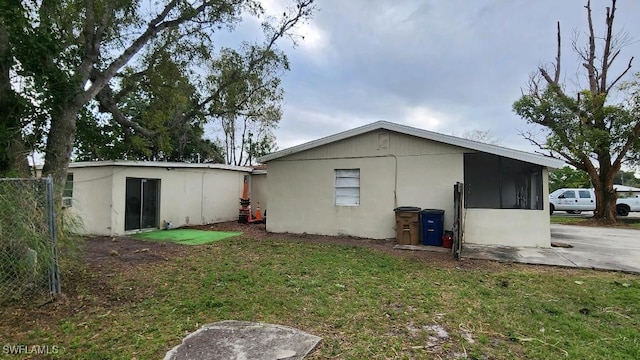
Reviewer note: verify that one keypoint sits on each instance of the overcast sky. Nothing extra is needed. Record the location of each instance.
(445, 66)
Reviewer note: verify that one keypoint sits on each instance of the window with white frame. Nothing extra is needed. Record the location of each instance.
(348, 187)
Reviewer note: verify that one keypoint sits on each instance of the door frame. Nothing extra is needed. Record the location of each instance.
(143, 197)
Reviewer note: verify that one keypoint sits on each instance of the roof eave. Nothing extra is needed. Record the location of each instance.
(425, 134)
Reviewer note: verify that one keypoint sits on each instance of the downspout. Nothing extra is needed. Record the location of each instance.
(395, 182)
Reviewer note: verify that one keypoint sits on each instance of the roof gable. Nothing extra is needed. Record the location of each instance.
(420, 133)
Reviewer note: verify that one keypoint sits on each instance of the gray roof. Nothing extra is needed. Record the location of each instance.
(425, 134)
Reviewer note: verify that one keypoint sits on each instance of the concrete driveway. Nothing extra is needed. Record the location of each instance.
(592, 247)
(599, 247)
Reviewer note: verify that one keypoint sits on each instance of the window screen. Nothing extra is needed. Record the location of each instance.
(67, 193)
(495, 182)
(347, 187)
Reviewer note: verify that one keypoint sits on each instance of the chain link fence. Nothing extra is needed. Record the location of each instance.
(28, 249)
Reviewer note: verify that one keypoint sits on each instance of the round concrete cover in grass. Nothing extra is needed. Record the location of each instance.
(228, 340)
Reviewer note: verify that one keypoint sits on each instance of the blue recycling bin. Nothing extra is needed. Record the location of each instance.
(432, 226)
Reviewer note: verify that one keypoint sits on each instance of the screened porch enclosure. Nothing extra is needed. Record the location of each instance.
(496, 182)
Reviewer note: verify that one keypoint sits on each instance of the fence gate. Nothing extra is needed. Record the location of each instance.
(458, 221)
(28, 244)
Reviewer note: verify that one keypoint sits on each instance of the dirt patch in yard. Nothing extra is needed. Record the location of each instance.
(103, 250)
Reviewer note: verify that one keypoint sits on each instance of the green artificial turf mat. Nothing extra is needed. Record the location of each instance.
(187, 236)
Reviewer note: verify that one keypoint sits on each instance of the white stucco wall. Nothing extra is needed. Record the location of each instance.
(92, 192)
(507, 227)
(302, 193)
(301, 198)
(258, 192)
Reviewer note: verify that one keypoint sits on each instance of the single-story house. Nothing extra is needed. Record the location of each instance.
(118, 197)
(351, 182)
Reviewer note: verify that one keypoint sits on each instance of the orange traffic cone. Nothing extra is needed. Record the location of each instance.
(258, 213)
(245, 190)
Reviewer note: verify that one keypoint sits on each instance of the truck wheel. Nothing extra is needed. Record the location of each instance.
(551, 209)
(622, 210)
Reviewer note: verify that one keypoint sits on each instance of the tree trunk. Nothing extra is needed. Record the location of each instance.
(605, 198)
(59, 146)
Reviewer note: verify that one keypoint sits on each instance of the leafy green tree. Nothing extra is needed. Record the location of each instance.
(568, 177)
(75, 52)
(583, 126)
(152, 115)
(248, 110)
(627, 178)
(260, 145)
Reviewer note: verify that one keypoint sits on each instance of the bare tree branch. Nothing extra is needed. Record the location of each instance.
(556, 78)
(107, 102)
(607, 44)
(620, 76)
(590, 65)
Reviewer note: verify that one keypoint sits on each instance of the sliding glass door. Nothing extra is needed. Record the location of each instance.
(142, 204)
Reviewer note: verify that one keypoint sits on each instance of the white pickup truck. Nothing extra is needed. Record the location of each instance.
(575, 201)
(630, 203)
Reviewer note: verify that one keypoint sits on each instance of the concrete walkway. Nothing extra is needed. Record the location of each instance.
(592, 248)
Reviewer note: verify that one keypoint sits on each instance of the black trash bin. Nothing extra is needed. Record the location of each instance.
(432, 226)
(407, 225)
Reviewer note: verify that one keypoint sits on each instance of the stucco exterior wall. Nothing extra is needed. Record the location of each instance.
(507, 227)
(92, 191)
(301, 198)
(400, 170)
(258, 192)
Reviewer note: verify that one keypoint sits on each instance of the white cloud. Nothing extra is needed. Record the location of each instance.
(315, 40)
(423, 118)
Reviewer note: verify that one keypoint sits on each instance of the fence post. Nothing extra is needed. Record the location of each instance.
(54, 270)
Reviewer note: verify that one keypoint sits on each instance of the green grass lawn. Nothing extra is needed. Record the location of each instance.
(563, 219)
(366, 304)
(632, 223)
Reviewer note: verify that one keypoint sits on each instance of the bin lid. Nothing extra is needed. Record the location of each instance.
(432, 211)
(407, 209)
